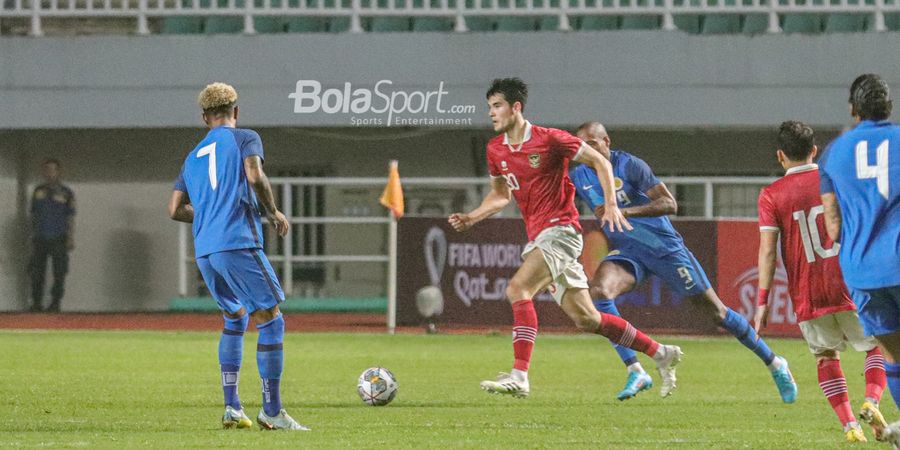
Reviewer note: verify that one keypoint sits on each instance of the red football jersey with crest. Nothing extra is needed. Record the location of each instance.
(537, 173)
(793, 207)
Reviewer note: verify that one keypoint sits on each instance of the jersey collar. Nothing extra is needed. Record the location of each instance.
(525, 137)
(803, 168)
(873, 123)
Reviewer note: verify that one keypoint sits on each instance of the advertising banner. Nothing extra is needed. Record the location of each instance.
(738, 250)
(472, 270)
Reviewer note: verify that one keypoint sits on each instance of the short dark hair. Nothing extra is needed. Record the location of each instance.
(796, 140)
(512, 89)
(220, 111)
(870, 97)
(53, 161)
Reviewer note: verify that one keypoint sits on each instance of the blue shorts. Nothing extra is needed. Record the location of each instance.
(679, 270)
(879, 309)
(241, 279)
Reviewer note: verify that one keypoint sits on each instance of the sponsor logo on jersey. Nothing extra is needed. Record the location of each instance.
(535, 160)
(587, 187)
(614, 253)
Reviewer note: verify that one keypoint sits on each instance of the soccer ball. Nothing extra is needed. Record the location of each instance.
(377, 386)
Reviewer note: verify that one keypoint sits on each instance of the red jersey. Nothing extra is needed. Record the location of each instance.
(537, 173)
(793, 207)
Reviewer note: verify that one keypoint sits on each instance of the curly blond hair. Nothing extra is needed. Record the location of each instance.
(217, 96)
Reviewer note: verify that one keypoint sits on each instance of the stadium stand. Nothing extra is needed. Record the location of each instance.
(705, 17)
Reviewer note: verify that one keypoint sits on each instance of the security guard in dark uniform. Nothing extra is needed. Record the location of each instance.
(52, 219)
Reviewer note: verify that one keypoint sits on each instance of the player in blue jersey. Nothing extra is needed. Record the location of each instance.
(220, 190)
(860, 182)
(654, 247)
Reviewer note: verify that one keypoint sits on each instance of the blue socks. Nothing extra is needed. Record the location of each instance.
(893, 380)
(270, 360)
(741, 329)
(628, 355)
(231, 346)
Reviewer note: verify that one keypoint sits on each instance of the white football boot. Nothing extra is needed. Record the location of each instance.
(280, 422)
(507, 384)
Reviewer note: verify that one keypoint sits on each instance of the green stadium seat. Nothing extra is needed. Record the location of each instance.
(390, 24)
(595, 23)
(433, 24)
(891, 22)
(305, 25)
(268, 25)
(182, 25)
(756, 24)
(224, 25)
(689, 23)
(802, 23)
(721, 24)
(339, 25)
(480, 23)
(845, 23)
(516, 24)
(549, 23)
(631, 22)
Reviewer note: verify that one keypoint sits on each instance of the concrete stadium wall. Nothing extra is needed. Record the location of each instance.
(632, 78)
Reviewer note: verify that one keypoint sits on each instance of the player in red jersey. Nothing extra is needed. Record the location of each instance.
(791, 207)
(532, 163)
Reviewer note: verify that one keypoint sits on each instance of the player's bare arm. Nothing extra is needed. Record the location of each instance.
(260, 183)
(768, 242)
(832, 216)
(663, 204)
(493, 202)
(611, 213)
(180, 208)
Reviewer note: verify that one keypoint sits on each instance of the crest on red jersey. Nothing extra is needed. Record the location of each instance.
(535, 160)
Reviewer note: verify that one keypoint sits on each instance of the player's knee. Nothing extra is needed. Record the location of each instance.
(605, 289)
(264, 315)
(515, 291)
(596, 292)
(825, 356)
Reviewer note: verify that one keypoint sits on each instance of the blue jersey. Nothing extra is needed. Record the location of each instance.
(226, 214)
(52, 205)
(862, 168)
(652, 236)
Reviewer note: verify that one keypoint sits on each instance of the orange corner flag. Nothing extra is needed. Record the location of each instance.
(392, 197)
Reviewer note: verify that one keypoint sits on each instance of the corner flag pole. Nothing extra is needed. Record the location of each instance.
(392, 275)
(392, 198)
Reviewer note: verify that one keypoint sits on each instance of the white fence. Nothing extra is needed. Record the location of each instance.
(457, 10)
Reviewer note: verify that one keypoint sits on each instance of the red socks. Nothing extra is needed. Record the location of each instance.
(621, 332)
(525, 324)
(876, 379)
(834, 385)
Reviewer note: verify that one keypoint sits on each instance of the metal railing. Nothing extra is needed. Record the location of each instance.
(286, 259)
(456, 10)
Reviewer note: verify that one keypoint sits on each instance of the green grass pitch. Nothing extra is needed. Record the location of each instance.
(161, 390)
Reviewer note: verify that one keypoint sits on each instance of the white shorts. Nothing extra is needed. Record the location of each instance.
(834, 331)
(561, 247)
